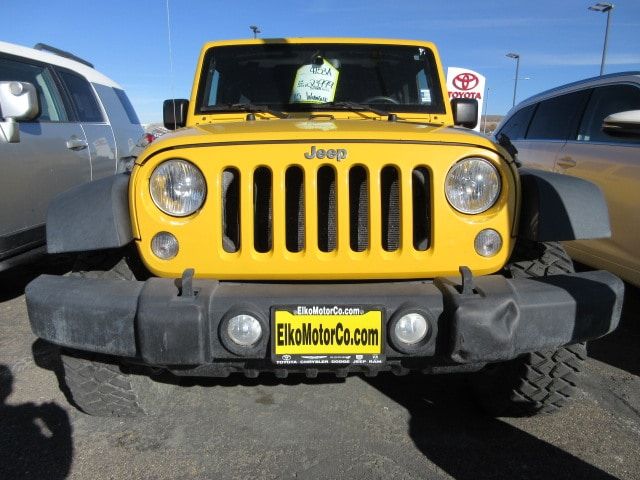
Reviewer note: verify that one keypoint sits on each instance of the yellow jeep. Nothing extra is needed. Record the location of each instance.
(322, 207)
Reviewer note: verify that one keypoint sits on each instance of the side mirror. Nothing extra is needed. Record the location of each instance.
(174, 113)
(622, 124)
(465, 112)
(18, 101)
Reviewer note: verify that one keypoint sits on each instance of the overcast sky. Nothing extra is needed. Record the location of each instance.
(559, 40)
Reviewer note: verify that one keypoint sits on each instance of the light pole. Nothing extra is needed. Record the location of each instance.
(486, 105)
(603, 8)
(516, 56)
(256, 30)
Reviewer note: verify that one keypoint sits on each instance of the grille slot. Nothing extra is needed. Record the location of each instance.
(390, 208)
(231, 210)
(421, 208)
(358, 209)
(262, 210)
(326, 181)
(294, 206)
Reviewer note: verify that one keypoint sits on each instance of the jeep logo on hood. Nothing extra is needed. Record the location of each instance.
(320, 153)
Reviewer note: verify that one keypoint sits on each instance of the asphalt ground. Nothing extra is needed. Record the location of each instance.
(383, 427)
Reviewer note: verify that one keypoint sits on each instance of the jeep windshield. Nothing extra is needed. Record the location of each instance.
(320, 77)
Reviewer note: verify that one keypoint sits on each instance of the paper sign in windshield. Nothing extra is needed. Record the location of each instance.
(315, 84)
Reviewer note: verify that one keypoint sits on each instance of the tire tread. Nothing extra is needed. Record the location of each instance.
(538, 382)
(99, 388)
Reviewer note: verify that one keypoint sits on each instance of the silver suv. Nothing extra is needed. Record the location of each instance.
(62, 123)
(591, 130)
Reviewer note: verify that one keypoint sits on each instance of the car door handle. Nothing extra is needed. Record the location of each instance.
(567, 162)
(75, 143)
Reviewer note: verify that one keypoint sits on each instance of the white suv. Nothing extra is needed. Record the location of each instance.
(62, 123)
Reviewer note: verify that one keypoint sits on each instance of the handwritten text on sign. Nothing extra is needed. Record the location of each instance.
(315, 84)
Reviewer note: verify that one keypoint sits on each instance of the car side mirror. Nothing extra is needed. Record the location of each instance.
(622, 124)
(174, 113)
(18, 101)
(465, 112)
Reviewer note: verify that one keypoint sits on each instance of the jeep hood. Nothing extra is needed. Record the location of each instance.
(318, 130)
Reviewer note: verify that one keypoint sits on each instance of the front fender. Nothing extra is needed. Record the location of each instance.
(560, 207)
(92, 216)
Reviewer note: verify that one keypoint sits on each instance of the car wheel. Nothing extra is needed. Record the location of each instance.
(98, 384)
(117, 264)
(538, 382)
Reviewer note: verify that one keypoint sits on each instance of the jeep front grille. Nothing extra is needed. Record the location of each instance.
(275, 206)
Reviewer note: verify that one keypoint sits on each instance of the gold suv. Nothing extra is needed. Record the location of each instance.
(320, 207)
(590, 129)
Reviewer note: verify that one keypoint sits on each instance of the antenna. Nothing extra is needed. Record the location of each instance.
(171, 65)
(255, 29)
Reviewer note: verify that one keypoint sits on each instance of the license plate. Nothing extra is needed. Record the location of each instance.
(326, 334)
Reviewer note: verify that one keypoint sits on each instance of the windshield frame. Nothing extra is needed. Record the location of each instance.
(437, 107)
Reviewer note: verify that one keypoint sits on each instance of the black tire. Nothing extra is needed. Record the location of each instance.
(97, 384)
(118, 264)
(538, 382)
(536, 259)
(99, 387)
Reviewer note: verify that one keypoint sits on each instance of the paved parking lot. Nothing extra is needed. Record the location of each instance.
(385, 427)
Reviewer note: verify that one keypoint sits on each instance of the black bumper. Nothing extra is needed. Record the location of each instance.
(151, 322)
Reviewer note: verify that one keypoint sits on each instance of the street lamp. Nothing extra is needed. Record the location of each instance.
(603, 8)
(486, 105)
(256, 30)
(515, 56)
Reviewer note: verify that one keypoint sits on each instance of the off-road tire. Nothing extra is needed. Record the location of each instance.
(538, 259)
(538, 382)
(97, 384)
(99, 387)
(117, 264)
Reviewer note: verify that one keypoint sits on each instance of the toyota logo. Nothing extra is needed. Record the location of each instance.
(465, 81)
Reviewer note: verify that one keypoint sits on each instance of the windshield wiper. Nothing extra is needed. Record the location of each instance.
(355, 107)
(246, 107)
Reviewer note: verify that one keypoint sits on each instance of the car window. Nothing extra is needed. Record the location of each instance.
(51, 106)
(516, 126)
(557, 118)
(83, 97)
(128, 108)
(604, 102)
(303, 77)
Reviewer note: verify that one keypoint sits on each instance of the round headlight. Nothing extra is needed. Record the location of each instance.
(177, 187)
(164, 245)
(472, 185)
(411, 328)
(244, 329)
(488, 242)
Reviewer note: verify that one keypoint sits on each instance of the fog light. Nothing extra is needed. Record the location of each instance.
(488, 242)
(164, 245)
(244, 330)
(411, 328)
